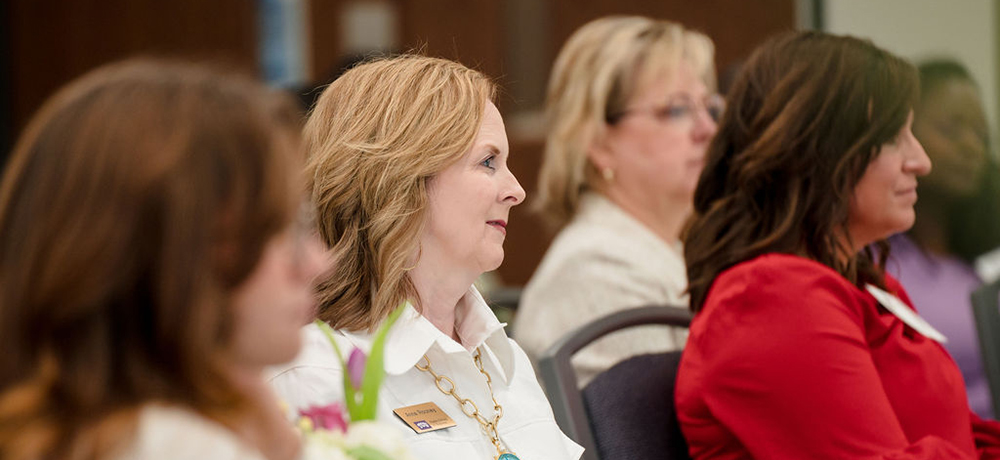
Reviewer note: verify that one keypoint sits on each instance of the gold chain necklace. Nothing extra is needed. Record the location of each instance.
(469, 408)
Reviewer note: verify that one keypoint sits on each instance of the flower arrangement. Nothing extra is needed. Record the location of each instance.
(330, 434)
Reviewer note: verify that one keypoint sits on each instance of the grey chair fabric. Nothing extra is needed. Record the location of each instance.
(631, 410)
(560, 383)
(986, 310)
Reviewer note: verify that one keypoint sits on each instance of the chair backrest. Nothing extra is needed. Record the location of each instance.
(559, 379)
(986, 309)
(631, 410)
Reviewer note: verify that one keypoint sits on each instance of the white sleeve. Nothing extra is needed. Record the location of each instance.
(314, 378)
(179, 434)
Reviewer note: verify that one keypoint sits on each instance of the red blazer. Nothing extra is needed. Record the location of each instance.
(789, 360)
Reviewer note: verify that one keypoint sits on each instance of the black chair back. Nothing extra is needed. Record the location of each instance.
(631, 410)
(559, 379)
(986, 309)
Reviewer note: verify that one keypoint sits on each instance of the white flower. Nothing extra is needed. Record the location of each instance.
(379, 436)
(324, 445)
(334, 445)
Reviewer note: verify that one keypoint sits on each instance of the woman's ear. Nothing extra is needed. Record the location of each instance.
(600, 153)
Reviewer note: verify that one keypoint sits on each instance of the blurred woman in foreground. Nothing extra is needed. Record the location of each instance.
(151, 265)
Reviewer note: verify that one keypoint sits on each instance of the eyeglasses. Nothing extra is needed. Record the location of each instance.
(679, 109)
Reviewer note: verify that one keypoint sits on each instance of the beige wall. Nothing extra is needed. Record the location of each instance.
(916, 29)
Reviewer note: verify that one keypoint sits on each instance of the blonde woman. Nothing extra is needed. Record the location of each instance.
(631, 108)
(409, 175)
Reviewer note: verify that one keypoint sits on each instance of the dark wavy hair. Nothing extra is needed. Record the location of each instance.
(805, 117)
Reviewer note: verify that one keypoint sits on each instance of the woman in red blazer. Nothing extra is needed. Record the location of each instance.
(802, 347)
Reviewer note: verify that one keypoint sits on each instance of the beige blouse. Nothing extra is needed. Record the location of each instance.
(602, 262)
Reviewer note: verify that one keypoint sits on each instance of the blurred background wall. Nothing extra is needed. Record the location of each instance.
(301, 43)
(923, 29)
(48, 42)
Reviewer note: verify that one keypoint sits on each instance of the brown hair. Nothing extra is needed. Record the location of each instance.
(376, 136)
(136, 200)
(806, 115)
(597, 72)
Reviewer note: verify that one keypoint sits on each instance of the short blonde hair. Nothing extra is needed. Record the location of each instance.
(598, 70)
(376, 136)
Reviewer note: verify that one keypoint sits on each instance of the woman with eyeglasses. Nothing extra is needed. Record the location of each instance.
(631, 108)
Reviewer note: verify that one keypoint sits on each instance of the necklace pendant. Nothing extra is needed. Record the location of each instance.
(507, 456)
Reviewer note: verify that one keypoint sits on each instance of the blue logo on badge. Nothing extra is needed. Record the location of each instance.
(422, 425)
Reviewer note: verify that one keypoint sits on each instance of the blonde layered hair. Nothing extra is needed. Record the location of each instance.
(597, 72)
(376, 136)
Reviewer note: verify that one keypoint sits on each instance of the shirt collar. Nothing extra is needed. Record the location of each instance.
(413, 335)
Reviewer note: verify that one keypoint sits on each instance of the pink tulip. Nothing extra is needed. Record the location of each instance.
(328, 417)
(356, 367)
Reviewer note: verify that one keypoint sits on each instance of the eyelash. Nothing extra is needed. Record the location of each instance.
(488, 162)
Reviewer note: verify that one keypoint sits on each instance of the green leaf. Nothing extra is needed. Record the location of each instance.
(367, 453)
(374, 370)
(350, 393)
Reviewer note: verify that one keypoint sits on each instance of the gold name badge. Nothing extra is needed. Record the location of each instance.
(424, 417)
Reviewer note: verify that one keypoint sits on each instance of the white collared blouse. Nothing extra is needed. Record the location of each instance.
(527, 427)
